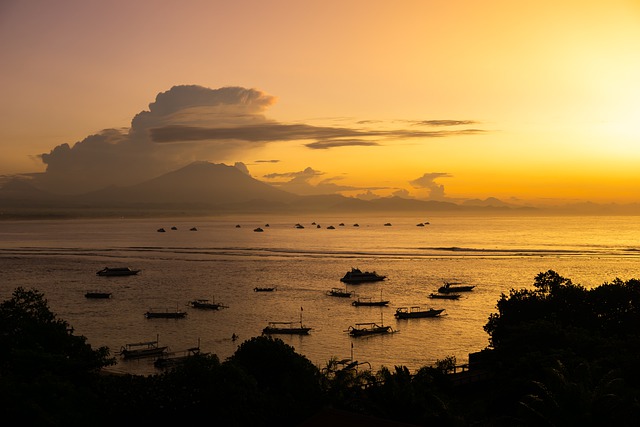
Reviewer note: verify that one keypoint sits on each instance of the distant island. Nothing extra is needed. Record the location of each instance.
(208, 189)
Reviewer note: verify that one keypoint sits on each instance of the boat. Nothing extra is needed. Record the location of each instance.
(174, 228)
(206, 304)
(97, 294)
(285, 328)
(331, 227)
(165, 313)
(387, 224)
(371, 328)
(342, 293)
(415, 312)
(258, 229)
(142, 349)
(358, 276)
(175, 358)
(117, 271)
(449, 287)
(264, 289)
(193, 229)
(161, 230)
(289, 328)
(368, 302)
(299, 225)
(446, 295)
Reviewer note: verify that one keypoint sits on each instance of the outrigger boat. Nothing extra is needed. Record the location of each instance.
(117, 271)
(264, 289)
(449, 287)
(368, 303)
(288, 328)
(164, 313)
(371, 328)
(449, 295)
(97, 294)
(168, 360)
(337, 292)
(142, 349)
(417, 312)
(207, 304)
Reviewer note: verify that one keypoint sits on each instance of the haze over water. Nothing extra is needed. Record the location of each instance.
(223, 262)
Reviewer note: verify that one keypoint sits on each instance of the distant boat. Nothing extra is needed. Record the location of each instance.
(371, 328)
(341, 224)
(337, 292)
(237, 225)
(117, 271)
(416, 312)
(449, 287)
(176, 358)
(367, 302)
(356, 225)
(420, 225)
(207, 304)
(445, 295)
(161, 230)
(97, 294)
(299, 225)
(388, 224)
(264, 289)
(142, 349)
(288, 328)
(193, 229)
(331, 227)
(164, 313)
(356, 275)
(174, 228)
(258, 229)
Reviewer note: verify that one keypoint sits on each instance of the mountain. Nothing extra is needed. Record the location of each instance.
(198, 185)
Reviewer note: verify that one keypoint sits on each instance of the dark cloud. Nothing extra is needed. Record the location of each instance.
(267, 161)
(128, 156)
(427, 182)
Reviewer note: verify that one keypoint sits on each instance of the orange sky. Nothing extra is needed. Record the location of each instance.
(546, 93)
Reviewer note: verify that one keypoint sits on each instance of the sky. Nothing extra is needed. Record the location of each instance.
(529, 102)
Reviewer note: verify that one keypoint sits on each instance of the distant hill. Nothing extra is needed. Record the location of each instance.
(204, 188)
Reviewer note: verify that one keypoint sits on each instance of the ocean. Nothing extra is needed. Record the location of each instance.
(224, 259)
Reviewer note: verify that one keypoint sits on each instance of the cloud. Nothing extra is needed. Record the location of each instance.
(434, 191)
(192, 123)
(300, 182)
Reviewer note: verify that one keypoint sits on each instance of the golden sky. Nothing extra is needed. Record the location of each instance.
(534, 102)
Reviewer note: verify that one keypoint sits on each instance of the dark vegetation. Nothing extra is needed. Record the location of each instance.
(559, 355)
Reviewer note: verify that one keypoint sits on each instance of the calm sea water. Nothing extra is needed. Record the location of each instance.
(223, 262)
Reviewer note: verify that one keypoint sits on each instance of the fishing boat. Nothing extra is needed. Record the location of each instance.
(415, 312)
(264, 289)
(370, 328)
(367, 302)
(446, 295)
(97, 294)
(165, 313)
(289, 328)
(117, 271)
(355, 275)
(342, 293)
(449, 287)
(207, 304)
(142, 349)
(175, 358)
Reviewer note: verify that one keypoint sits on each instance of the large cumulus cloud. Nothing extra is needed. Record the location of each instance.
(128, 156)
